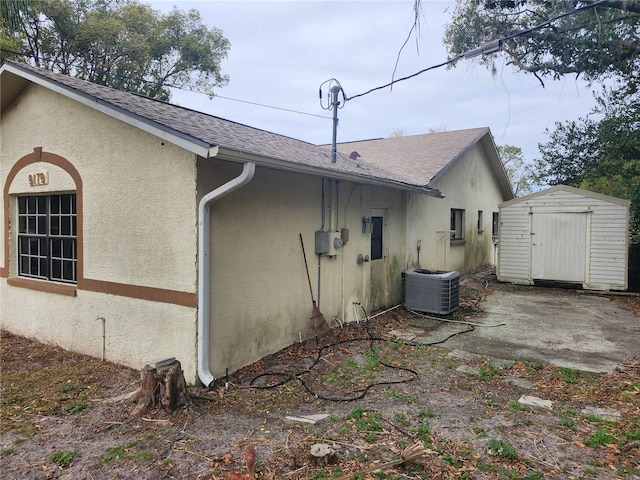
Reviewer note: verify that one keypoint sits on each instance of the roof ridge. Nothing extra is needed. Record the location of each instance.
(50, 73)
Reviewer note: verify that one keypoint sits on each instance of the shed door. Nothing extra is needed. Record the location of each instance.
(559, 246)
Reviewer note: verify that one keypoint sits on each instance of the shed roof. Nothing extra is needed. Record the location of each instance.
(568, 189)
(204, 134)
(423, 158)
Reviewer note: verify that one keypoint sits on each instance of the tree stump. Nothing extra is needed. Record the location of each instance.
(322, 454)
(163, 385)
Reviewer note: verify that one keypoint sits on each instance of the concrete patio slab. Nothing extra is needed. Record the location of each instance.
(564, 328)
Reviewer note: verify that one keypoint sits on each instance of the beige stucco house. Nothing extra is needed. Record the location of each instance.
(134, 229)
(460, 231)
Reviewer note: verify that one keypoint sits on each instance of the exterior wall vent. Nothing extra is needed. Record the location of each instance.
(431, 291)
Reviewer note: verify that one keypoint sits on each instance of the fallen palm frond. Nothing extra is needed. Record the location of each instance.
(414, 454)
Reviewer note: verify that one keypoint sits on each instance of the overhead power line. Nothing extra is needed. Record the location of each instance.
(124, 77)
(484, 49)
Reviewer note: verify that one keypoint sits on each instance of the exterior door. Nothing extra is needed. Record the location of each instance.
(559, 246)
(379, 260)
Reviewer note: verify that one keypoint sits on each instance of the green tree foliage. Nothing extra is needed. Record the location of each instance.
(519, 172)
(597, 43)
(119, 43)
(600, 153)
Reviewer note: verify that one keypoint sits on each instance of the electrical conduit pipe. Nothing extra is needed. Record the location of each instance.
(204, 272)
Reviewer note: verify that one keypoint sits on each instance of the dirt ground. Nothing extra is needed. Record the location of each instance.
(376, 395)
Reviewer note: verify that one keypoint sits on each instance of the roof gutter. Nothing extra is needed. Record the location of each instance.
(236, 155)
(204, 272)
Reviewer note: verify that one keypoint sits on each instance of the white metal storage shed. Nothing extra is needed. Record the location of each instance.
(567, 235)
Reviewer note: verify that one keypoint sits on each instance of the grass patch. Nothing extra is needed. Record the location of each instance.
(75, 407)
(598, 439)
(517, 406)
(502, 449)
(363, 421)
(125, 452)
(569, 375)
(487, 372)
(62, 458)
(5, 452)
(423, 432)
(480, 432)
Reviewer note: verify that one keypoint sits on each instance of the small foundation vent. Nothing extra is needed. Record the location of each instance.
(431, 291)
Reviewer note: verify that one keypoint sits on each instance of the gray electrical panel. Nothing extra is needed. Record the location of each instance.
(328, 243)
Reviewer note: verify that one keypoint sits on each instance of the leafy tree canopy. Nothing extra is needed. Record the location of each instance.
(518, 171)
(119, 43)
(600, 153)
(598, 43)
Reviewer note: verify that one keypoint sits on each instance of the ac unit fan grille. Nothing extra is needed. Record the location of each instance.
(431, 291)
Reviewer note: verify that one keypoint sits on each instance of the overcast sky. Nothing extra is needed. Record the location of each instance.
(282, 51)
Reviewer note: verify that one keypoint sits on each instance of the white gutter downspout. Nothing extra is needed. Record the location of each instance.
(204, 273)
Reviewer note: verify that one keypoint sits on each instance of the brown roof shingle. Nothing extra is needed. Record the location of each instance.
(416, 159)
(208, 130)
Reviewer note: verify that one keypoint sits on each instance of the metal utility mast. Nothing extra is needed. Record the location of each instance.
(333, 103)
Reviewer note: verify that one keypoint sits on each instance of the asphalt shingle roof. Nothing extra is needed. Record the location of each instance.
(209, 130)
(415, 159)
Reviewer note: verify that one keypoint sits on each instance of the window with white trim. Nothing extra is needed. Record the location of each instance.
(47, 237)
(480, 222)
(457, 224)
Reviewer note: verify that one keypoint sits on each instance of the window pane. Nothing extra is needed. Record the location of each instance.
(376, 238)
(42, 225)
(31, 224)
(22, 224)
(65, 204)
(24, 265)
(56, 248)
(54, 226)
(33, 266)
(34, 246)
(69, 270)
(44, 267)
(42, 204)
(55, 204)
(22, 204)
(56, 269)
(457, 224)
(67, 249)
(65, 225)
(31, 204)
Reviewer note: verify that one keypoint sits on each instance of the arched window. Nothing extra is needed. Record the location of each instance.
(43, 224)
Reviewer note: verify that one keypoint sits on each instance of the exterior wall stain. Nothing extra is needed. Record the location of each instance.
(476, 251)
(394, 280)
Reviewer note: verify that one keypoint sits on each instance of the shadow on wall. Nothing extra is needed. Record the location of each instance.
(634, 268)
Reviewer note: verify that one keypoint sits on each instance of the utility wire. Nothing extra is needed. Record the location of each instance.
(124, 77)
(455, 59)
(489, 47)
(255, 103)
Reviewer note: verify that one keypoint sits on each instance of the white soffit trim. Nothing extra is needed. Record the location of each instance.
(190, 144)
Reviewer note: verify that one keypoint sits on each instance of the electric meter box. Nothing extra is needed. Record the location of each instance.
(328, 243)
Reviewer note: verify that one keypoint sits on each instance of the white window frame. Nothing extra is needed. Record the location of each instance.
(457, 224)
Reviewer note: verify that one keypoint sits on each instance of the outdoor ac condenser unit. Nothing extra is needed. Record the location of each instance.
(431, 291)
